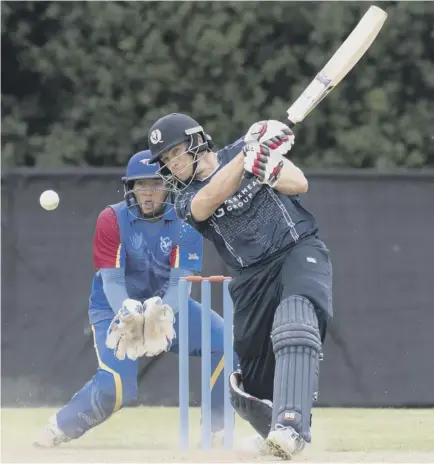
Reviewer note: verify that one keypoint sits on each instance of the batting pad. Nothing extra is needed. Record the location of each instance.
(297, 346)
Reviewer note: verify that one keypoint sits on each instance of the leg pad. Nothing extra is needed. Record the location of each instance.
(297, 347)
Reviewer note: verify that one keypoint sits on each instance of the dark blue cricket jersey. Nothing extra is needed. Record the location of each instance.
(253, 224)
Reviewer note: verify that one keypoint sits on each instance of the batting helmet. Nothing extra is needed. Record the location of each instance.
(174, 129)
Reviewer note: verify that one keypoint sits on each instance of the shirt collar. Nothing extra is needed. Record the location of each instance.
(133, 215)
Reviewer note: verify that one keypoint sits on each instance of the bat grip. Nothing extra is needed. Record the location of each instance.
(289, 123)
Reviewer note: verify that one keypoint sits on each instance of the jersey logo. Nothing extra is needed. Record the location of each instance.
(156, 136)
(146, 161)
(165, 245)
(239, 202)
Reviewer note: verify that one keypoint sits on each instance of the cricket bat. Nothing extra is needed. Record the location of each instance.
(339, 65)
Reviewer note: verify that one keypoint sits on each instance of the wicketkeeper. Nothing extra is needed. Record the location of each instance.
(141, 249)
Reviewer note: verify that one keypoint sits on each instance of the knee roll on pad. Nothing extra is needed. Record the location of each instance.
(297, 346)
(295, 324)
(255, 411)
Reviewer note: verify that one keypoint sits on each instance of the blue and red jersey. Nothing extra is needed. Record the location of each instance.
(147, 251)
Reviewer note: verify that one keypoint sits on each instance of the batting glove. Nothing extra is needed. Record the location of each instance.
(267, 143)
(273, 134)
(263, 163)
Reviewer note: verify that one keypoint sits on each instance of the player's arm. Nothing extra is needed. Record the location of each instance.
(291, 180)
(222, 186)
(109, 258)
(265, 157)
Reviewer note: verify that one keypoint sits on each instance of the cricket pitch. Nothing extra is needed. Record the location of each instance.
(147, 435)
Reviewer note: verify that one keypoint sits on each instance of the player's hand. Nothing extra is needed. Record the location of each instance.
(159, 331)
(125, 335)
(273, 134)
(265, 164)
(141, 329)
(267, 143)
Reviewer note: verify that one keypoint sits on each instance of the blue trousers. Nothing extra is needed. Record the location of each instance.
(115, 383)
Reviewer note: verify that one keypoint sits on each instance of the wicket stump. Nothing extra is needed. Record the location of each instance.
(184, 395)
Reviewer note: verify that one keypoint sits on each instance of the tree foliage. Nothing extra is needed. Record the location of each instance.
(83, 81)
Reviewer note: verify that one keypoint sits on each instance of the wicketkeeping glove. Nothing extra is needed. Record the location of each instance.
(125, 334)
(159, 330)
(141, 329)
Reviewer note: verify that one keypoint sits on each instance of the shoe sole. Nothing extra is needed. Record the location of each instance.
(274, 443)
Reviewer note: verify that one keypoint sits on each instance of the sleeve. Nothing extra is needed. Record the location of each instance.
(183, 205)
(108, 251)
(183, 211)
(113, 282)
(187, 254)
(233, 149)
(171, 296)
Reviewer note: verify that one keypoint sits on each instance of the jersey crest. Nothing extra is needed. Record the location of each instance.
(165, 245)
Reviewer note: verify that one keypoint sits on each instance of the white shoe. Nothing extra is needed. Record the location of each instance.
(51, 436)
(285, 441)
(254, 444)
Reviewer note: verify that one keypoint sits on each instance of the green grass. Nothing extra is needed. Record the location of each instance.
(334, 430)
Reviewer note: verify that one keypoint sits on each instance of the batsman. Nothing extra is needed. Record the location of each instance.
(141, 249)
(245, 198)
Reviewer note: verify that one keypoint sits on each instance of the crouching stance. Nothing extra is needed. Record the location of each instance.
(141, 249)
